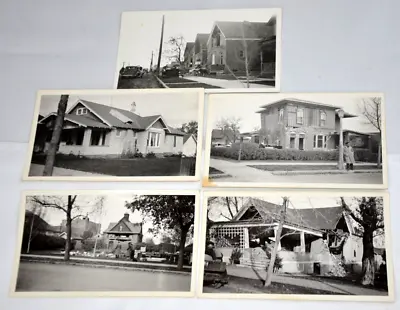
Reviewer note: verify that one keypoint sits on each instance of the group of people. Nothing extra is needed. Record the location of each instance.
(130, 251)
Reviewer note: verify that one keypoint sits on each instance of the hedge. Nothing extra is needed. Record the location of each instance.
(43, 242)
(252, 151)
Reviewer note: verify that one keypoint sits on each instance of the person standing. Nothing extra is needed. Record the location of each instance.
(117, 250)
(348, 154)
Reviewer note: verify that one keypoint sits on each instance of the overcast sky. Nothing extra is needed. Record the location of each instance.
(165, 104)
(113, 210)
(245, 106)
(141, 31)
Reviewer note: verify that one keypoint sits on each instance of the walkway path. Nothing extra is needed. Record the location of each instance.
(36, 170)
(323, 284)
(224, 83)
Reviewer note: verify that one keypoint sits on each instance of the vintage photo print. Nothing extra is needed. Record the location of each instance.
(296, 245)
(235, 50)
(96, 243)
(128, 135)
(324, 140)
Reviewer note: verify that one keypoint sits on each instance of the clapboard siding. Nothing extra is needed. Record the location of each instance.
(311, 117)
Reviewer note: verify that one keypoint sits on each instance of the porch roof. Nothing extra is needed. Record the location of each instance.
(85, 121)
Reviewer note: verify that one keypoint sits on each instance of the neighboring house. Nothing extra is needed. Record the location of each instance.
(93, 129)
(78, 227)
(314, 240)
(253, 137)
(123, 231)
(189, 145)
(36, 224)
(301, 125)
(229, 43)
(224, 136)
(189, 55)
(200, 49)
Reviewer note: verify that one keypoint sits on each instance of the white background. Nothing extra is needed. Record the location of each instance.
(327, 46)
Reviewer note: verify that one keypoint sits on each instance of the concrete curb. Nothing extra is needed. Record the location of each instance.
(317, 172)
(160, 82)
(219, 176)
(91, 265)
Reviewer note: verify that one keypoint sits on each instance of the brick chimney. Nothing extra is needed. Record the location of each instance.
(126, 216)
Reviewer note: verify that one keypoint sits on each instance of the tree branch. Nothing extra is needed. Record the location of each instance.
(48, 204)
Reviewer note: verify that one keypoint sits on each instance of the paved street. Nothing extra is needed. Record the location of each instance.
(240, 172)
(224, 83)
(40, 277)
(37, 170)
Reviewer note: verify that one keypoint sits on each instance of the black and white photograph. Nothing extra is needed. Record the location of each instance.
(302, 140)
(98, 135)
(113, 244)
(217, 50)
(324, 245)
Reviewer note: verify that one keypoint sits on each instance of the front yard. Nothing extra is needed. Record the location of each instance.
(177, 82)
(300, 167)
(169, 166)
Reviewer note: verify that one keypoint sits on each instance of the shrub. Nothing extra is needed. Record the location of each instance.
(365, 155)
(235, 256)
(150, 155)
(43, 242)
(138, 155)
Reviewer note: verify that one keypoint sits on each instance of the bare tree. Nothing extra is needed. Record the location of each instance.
(270, 270)
(371, 110)
(55, 138)
(176, 48)
(368, 213)
(230, 128)
(72, 210)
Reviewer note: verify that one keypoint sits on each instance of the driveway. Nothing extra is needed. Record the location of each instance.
(38, 277)
(224, 83)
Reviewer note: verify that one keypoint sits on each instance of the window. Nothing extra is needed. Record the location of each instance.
(174, 141)
(299, 116)
(221, 59)
(118, 133)
(355, 253)
(120, 228)
(154, 139)
(320, 141)
(280, 113)
(98, 137)
(322, 119)
(81, 111)
(213, 59)
(241, 54)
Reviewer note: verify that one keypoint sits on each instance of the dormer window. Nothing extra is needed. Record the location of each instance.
(322, 119)
(299, 116)
(81, 111)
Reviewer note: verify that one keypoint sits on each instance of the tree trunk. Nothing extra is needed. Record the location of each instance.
(379, 160)
(55, 139)
(368, 259)
(30, 235)
(69, 229)
(182, 242)
(270, 271)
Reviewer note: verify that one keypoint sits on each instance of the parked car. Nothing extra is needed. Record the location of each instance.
(218, 144)
(131, 72)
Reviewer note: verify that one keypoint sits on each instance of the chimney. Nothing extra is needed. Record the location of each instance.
(126, 216)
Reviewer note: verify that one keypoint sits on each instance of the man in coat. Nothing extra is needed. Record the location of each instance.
(348, 154)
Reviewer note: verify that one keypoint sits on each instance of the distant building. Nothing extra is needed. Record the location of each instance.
(124, 231)
(189, 55)
(78, 227)
(224, 136)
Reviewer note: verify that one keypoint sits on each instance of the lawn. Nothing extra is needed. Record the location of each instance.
(147, 81)
(177, 82)
(214, 171)
(306, 167)
(169, 166)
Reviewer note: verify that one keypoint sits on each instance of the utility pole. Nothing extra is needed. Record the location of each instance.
(245, 56)
(30, 234)
(161, 44)
(151, 61)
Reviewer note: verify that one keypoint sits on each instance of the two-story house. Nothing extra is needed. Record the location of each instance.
(230, 42)
(301, 125)
(188, 55)
(200, 49)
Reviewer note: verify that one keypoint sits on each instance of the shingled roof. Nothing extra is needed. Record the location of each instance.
(313, 218)
(250, 30)
(128, 226)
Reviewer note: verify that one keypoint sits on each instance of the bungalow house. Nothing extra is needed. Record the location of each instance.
(313, 240)
(188, 55)
(189, 145)
(123, 231)
(301, 125)
(230, 42)
(224, 136)
(93, 129)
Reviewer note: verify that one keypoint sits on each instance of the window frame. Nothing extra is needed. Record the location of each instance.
(322, 120)
(302, 116)
(81, 111)
(324, 139)
(157, 138)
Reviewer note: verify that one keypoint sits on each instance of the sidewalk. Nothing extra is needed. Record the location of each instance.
(108, 262)
(37, 170)
(303, 281)
(224, 83)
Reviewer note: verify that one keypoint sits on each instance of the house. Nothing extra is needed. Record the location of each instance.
(189, 145)
(313, 240)
(79, 227)
(188, 55)
(224, 136)
(38, 225)
(123, 231)
(229, 43)
(299, 124)
(93, 129)
(200, 49)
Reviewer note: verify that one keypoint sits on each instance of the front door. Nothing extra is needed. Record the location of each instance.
(301, 143)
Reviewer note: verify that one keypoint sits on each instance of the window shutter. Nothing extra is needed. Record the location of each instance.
(315, 141)
(325, 141)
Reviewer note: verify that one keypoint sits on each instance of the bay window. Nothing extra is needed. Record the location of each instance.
(154, 139)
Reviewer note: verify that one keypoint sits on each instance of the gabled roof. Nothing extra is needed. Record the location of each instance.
(202, 37)
(175, 131)
(250, 30)
(303, 102)
(220, 134)
(187, 136)
(133, 228)
(189, 46)
(313, 218)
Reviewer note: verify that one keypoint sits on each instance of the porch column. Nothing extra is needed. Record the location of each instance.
(302, 242)
(86, 137)
(340, 113)
(277, 241)
(246, 240)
